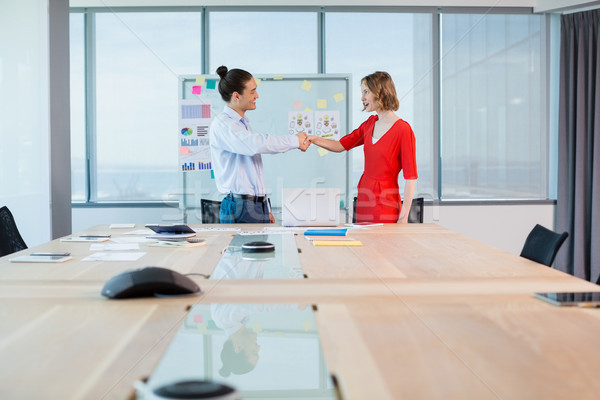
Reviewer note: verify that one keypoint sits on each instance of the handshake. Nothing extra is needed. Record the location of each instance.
(304, 140)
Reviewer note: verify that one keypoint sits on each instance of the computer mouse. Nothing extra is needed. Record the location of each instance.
(258, 247)
(196, 389)
(147, 282)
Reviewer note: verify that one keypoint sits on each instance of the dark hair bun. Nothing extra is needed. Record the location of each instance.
(222, 71)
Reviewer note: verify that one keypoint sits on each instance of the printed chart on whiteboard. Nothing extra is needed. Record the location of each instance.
(194, 120)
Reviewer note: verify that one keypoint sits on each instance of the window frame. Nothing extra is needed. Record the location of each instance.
(550, 120)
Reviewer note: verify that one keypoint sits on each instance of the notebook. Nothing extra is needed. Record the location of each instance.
(310, 207)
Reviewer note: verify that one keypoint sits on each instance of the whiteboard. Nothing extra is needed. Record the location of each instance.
(284, 103)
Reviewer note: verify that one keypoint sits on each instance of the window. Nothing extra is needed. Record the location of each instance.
(138, 58)
(402, 47)
(479, 115)
(494, 136)
(264, 42)
(78, 120)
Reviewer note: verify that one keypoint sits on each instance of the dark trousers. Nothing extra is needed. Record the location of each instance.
(239, 211)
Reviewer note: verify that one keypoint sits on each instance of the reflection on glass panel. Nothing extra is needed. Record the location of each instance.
(493, 140)
(402, 46)
(77, 82)
(138, 59)
(266, 351)
(283, 263)
(264, 42)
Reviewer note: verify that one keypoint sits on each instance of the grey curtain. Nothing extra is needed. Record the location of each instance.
(578, 203)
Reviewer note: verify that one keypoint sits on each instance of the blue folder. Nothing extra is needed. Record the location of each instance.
(326, 232)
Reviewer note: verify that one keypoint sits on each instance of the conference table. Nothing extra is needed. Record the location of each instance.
(416, 312)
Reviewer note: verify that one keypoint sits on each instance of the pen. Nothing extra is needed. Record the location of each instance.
(588, 305)
(51, 254)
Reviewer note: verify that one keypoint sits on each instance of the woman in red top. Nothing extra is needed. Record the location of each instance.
(389, 146)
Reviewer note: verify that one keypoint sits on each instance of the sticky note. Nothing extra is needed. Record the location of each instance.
(308, 109)
(321, 103)
(297, 105)
(257, 327)
(211, 84)
(257, 80)
(202, 327)
(322, 151)
(307, 325)
(338, 97)
(196, 89)
(306, 85)
(200, 80)
(184, 150)
(198, 318)
(277, 77)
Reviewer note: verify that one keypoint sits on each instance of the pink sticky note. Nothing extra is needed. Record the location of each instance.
(298, 105)
(184, 150)
(196, 89)
(198, 318)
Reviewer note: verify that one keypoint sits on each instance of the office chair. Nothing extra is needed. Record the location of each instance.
(210, 211)
(10, 238)
(542, 244)
(414, 217)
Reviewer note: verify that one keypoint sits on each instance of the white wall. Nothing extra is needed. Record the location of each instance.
(24, 116)
(564, 5)
(501, 226)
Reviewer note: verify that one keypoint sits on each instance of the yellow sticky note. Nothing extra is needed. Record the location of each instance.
(257, 80)
(338, 97)
(277, 77)
(202, 327)
(322, 151)
(308, 109)
(257, 327)
(200, 80)
(307, 325)
(321, 103)
(306, 85)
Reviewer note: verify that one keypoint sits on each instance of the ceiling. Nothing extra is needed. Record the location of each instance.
(562, 6)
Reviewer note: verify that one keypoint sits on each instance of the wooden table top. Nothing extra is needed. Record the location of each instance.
(417, 312)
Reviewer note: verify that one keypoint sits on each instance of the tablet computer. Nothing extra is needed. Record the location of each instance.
(172, 229)
(579, 299)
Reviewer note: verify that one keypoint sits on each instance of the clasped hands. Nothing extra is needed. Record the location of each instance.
(304, 140)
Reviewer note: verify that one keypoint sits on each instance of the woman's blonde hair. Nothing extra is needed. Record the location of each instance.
(382, 86)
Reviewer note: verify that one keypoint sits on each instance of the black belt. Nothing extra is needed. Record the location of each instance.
(249, 197)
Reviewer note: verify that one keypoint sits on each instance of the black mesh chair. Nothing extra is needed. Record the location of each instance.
(210, 211)
(415, 215)
(10, 238)
(542, 244)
